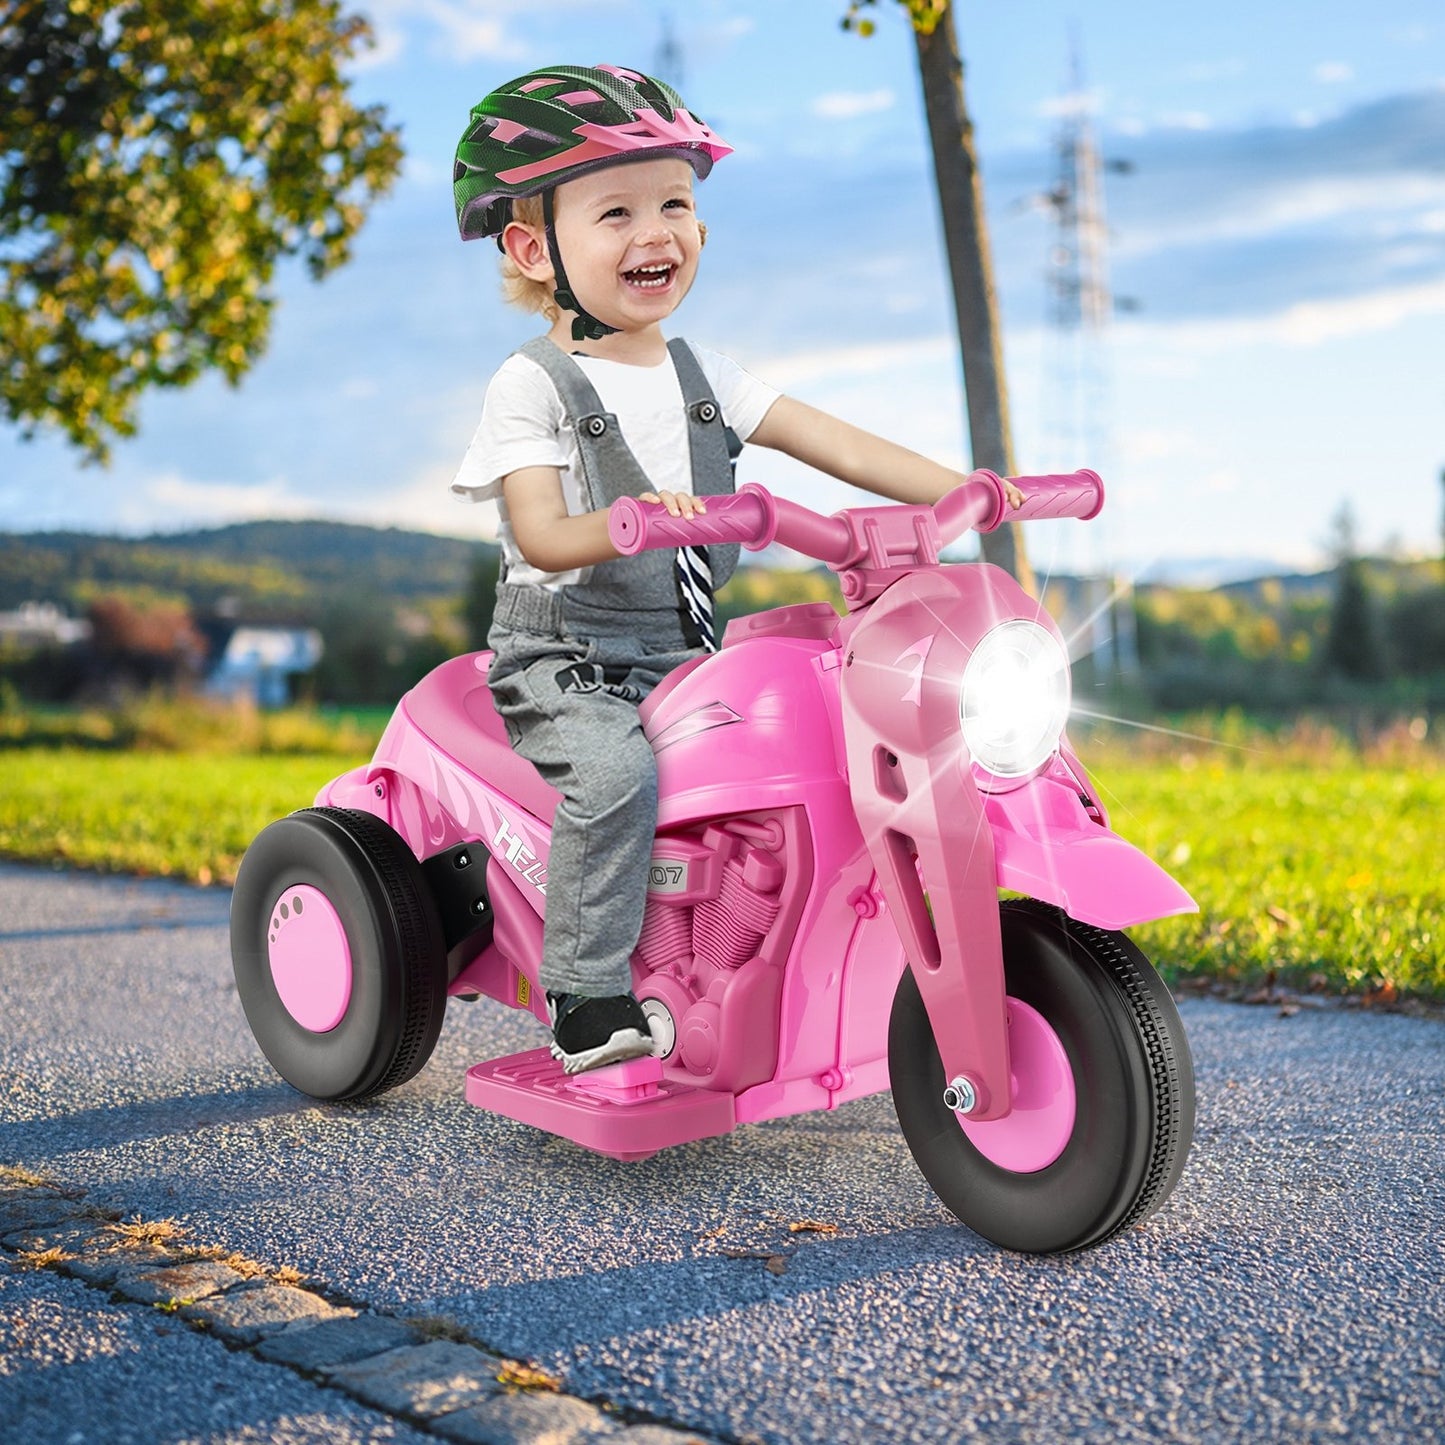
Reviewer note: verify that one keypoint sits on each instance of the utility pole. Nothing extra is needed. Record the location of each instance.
(970, 264)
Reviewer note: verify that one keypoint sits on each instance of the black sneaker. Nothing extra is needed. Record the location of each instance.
(590, 1032)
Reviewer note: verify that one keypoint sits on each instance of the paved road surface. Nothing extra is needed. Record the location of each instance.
(1292, 1289)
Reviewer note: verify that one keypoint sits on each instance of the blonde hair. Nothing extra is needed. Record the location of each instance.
(523, 291)
(520, 290)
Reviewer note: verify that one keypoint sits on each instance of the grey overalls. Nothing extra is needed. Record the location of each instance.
(572, 666)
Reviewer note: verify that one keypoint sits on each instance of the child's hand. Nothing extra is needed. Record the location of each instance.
(678, 504)
(1015, 497)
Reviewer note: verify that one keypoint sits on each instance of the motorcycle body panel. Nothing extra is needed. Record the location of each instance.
(1049, 845)
(797, 870)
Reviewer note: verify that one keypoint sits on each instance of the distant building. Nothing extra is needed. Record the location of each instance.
(43, 624)
(258, 663)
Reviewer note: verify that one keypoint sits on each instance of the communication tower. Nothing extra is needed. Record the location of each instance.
(668, 62)
(1077, 414)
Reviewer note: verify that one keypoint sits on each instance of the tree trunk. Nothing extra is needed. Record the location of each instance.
(960, 195)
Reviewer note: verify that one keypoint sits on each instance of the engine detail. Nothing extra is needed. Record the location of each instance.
(712, 900)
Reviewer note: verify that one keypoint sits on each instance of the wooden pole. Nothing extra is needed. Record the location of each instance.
(965, 233)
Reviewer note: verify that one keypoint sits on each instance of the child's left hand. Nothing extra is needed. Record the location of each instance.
(1015, 497)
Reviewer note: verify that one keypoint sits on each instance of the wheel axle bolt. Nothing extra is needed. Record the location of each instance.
(960, 1096)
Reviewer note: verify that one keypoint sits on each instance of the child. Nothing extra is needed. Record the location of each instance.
(597, 165)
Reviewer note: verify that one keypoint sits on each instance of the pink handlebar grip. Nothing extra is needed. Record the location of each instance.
(748, 518)
(1060, 494)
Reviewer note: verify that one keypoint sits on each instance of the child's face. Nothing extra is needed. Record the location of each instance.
(629, 240)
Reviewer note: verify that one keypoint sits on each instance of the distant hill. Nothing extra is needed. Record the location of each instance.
(260, 568)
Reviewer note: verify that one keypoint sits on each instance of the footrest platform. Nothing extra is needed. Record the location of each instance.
(626, 1111)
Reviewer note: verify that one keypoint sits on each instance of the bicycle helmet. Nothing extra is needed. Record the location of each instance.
(550, 125)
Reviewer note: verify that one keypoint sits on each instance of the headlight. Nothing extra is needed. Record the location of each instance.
(1015, 698)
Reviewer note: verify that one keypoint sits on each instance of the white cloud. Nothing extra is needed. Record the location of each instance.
(1334, 72)
(849, 104)
(460, 30)
(725, 31)
(1304, 324)
(1208, 72)
(186, 502)
(1186, 120)
(1289, 203)
(425, 503)
(1152, 444)
(1075, 103)
(389, 43)
(470, 31)
(1221, 480)
(808, 368)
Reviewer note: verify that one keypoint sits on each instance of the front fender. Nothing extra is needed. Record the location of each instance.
(1047, 846)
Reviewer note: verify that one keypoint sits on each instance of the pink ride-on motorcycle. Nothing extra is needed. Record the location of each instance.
(842, 800)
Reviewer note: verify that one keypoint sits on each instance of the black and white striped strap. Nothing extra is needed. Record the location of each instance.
(694, 583)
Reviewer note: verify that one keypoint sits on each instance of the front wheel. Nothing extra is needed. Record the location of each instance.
(338, 953)
(1102, 1086)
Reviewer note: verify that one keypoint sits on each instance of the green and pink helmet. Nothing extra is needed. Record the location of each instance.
(551, 125)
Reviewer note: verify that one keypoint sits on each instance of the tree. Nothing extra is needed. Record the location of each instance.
(970, 265)
(156, 161)
(481, 596)
(1354, 644)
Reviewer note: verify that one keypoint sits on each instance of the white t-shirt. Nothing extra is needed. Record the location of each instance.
(523, 425)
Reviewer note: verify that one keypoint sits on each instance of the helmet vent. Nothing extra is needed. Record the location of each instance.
(535, 143)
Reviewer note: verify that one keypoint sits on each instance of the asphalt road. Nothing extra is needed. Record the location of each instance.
(1292, 1289)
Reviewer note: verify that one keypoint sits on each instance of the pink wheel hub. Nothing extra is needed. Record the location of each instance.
(1042, 1086)
(310, 958)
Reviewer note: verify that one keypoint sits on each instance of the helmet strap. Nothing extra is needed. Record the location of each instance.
(585, 327)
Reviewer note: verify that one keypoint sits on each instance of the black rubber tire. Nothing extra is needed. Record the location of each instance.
(398, 954)
(1133, 1079)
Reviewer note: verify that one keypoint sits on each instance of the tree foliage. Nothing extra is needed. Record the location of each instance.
(925, 15)
(157, 159)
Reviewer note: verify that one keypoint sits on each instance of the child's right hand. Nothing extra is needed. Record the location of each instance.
(678, 504)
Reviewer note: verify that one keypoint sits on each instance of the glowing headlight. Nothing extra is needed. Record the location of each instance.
(1015, 698)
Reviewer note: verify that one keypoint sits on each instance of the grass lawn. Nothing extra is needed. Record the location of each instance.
(182, 815)
(1323, 871)
(1327, 876)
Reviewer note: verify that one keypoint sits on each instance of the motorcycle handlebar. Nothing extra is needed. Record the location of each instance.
(1057, 494)
(754, 517)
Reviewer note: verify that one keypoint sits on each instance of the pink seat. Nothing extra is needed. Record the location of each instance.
(452, 705)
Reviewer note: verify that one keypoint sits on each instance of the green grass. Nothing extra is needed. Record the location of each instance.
(181, 815)
(1327, 877)
(1310, 862)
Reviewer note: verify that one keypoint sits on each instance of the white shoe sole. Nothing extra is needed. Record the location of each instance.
(624, 1044)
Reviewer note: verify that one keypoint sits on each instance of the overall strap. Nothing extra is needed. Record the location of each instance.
(713, 447)
(609, 469)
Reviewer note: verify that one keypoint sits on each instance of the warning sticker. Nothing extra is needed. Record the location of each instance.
(524, 991)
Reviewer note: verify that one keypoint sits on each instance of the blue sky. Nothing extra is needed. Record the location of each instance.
(1282, 231)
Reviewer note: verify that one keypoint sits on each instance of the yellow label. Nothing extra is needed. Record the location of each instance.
(524, 990)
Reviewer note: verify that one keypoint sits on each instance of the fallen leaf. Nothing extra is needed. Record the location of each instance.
(526, 1377)
(1285, 919)
(1384, 992)
(811, 1226)
(773, 1262)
